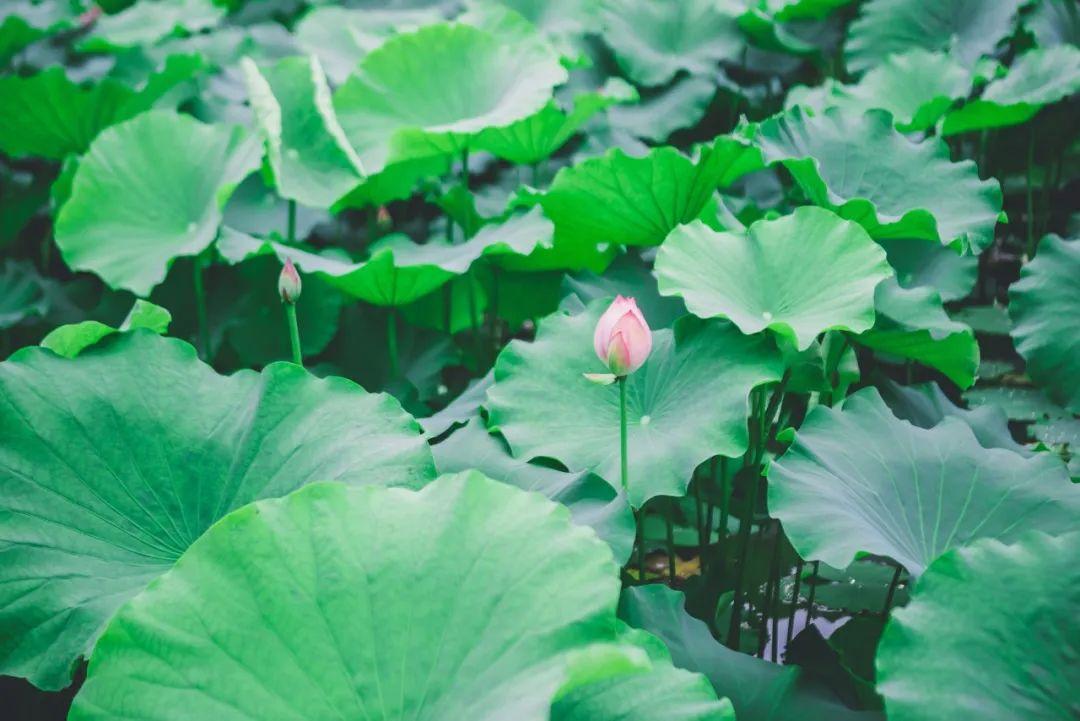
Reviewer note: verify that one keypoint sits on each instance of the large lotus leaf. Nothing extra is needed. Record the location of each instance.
(115, 462)
(621, 199)
(663, 692)
(653, 41)
(685, 405)
(925, 405)
(919, 263)
(399, 270)
(565, 22)
(860, 480)
(1011, 607)
(466, 600)
(656, 117)
(73, 338)
(536, 137)
(341, 36)
(917, 87)
(150, 190)
(912, 324)
(23, 293)
(865, 170)
(147, 21)
(311, 160)
(1045, 308)
(968, 29)
(1037, 78)
(758, 689)
(591, 501)
(1054, 22)
(50, 116)
(426, 93)
(799, 275)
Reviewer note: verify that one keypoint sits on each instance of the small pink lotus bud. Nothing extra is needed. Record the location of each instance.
(289, 283)
(622, 339)
(383, 219)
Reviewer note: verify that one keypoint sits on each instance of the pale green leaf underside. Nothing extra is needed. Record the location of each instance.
(799, 275)
(1009, 606)
(148, 191)
(310, 157)
(312, 606)
(115, 462)
(862, 168)
(685, 405)
(1045, 308)
(861, 480)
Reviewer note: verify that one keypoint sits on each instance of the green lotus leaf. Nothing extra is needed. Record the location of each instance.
(23, 22)
(147, 21)
(148, 191)
(868, 172)
(621, 199)
(536, 137)
(765, 278)
(654, 41)
(399, 270)
(1054, 22)
(341, 36)
(1045, 309)
(925, 405)
(685, 405)
(967, 29)
(655, 118)
(71, 339)
(23, 293)
(664, 691)
(116, 461)
(918, 263)
(912, 324)
(785, 10)
(1026, 405)
(49, 116)
(860, 480)
(282, 611)
(592, 502)
(918, 87)
(565, 22)
(429, 92)
(758, 689)
(768, 33)
(255, 208)
(974, 603)
(310, 158)
(1037, 78)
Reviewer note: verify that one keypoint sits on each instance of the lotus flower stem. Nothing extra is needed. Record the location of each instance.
(294, 334)
(200, 309)
(493, 307)
(670, 540)
(795, 599)
(892, 591)
(292, 222)
(623, 470)
(1030, 200)
(813, 590)
(392, 342)
(751, 471)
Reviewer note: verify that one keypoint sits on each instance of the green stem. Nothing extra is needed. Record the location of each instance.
(795, 600)
(892, 591)
(392, 343)
(474, 322)
(294, 334)
(1030, 200)
(493, 309)
(751, 472)
(725, 513)
(200, 309)
(535, 174)
(639, 542)
(670, 515)
(774, 606)
(813, 590)
(448, 304)
(623, 464)
(465, 168)
(292, 222)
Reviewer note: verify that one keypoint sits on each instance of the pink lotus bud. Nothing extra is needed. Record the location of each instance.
(622, 339)
(288, 284)
(383, 219)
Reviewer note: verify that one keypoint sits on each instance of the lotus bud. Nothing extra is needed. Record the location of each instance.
(622, 340)
(383, 220)
(289, 283)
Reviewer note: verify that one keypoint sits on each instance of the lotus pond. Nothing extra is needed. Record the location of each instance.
(539, 360)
